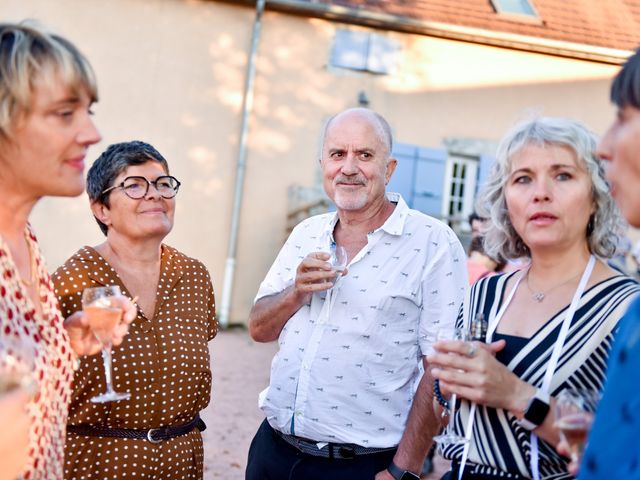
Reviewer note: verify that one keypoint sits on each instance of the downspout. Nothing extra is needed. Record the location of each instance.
(247, 105)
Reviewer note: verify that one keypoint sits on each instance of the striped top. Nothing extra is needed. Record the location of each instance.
(499, 445)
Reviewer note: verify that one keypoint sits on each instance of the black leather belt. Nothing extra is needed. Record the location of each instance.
(344, 451)
(153, 435)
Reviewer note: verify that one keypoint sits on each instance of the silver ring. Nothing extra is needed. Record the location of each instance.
(472, 350)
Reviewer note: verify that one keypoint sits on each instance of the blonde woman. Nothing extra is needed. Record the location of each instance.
(47, 88)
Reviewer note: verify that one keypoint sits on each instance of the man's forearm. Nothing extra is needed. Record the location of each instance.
(270, 314)
(422, 425)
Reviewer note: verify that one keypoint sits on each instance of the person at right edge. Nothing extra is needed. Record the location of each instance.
(346, 399)
(612, 449)
(550, 325)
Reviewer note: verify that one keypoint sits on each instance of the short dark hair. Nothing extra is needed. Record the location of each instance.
(474, 216)
(625, 89)
(112, 162)
(477, 245)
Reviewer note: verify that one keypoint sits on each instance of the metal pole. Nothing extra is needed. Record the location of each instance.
(247, 105)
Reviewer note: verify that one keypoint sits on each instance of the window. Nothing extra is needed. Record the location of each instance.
(519, 7)
(461, 177)
(364, 51)
(419, 177)
(443, 182)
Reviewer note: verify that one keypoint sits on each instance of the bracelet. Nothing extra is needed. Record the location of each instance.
(438, 394)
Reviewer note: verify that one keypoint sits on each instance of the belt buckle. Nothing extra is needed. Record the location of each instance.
(347, 452)
(150, 433)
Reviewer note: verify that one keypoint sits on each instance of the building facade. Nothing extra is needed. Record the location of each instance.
(173, 73)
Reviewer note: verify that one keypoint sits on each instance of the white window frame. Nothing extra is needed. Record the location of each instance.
(497, 5)
(458, 219)
(469, 148)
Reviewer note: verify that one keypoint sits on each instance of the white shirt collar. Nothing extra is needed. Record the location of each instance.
(394, 225)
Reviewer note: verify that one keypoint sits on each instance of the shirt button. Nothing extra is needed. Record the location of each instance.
(298, 413)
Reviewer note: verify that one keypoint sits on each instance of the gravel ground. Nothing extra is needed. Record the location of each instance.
(240, 371)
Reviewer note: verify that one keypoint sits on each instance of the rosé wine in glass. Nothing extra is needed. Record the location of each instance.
(574, 415)
(103, 316)
(102, 321)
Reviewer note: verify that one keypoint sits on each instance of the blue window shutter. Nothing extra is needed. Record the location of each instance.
(429, 181)
(350, 49)
(402, 179)
(486, 162)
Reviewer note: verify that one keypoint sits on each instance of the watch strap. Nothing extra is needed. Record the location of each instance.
(400, 474)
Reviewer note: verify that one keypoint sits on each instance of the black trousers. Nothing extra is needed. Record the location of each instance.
(271, 458)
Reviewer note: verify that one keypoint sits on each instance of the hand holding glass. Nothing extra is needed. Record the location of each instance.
(103, 314)
(449, 437)
(574, 415)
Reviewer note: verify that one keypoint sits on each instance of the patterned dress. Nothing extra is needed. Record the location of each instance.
(163, 362)
(45, 335)
(499, 445)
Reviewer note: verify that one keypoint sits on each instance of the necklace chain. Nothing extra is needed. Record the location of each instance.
(539, 296)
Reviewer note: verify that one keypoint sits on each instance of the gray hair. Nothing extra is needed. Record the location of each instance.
(382, 127)
(112, 162)
(29, 54)
(501, 238)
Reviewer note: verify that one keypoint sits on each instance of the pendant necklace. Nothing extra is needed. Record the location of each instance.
(540, 295)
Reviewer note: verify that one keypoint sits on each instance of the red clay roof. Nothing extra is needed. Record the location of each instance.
(603, 23)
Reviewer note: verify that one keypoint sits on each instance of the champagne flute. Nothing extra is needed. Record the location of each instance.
(574, 415)
(103, 315)
(449, 437)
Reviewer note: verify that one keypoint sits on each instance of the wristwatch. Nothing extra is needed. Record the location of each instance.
(536, 411)
(400, 474)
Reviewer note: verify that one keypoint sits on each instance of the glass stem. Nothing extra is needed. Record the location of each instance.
(452, 412)
(106, 360)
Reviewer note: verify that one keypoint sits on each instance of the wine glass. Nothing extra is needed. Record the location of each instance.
(17, 365)
(338, 259)
(18, 386)
(103, 314)
(574, 415)
(449, 437)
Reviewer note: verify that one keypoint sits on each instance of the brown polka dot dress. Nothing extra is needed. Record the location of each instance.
(162, 362)
(43, 335)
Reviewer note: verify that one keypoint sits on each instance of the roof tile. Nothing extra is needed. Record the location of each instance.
(603, 23)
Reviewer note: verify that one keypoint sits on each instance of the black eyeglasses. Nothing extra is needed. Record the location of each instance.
(137, 187)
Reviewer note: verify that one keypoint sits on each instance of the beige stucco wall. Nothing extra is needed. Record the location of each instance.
(172, 73)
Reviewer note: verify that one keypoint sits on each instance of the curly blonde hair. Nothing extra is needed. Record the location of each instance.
(500, 238)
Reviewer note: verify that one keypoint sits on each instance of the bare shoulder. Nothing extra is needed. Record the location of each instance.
(602, 271)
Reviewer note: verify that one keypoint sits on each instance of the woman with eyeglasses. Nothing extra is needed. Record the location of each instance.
(164, 361)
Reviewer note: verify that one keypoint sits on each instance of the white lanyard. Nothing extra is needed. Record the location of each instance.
(551, 366)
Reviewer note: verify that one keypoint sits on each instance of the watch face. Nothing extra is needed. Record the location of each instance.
(537, 411)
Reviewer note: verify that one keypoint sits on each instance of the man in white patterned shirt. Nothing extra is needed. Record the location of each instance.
(347, 398)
